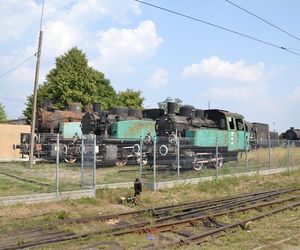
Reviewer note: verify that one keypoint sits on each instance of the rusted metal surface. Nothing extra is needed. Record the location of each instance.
(49, 120)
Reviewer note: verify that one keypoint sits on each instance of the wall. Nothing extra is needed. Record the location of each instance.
(9, 135)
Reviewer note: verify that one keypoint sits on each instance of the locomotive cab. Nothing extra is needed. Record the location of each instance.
(233, 125)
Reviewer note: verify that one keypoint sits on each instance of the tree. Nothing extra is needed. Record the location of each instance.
(3, 116)
(73, 80)
(164, 104)
(131, 98)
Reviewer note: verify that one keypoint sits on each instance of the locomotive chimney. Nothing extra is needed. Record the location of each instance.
(171, 107)
(97, 107)
(88, 108)
(186, 110)
(199, 113)
(46, 103)
(74, 107)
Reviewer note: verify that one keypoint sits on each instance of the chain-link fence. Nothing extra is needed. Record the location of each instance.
(66, 164)
(59, 164)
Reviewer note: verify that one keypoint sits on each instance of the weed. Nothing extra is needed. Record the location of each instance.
(62, 215)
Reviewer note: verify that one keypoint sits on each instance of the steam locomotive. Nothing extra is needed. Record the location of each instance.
(119, 132)
(205, 137)
(261, 136)
(49, 123)
(291, 134)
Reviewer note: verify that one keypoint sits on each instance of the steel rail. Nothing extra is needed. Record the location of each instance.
(165, 209)
(146, 229)
(187, 222)
(197, 239)
(142, 225)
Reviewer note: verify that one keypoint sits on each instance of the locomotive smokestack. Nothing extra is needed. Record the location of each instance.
(199, 113)
(171, 107)
(97, 107)
(46, 103)
(74, 107)
(88, 108)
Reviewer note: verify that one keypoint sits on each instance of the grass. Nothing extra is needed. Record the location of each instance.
(108, 201)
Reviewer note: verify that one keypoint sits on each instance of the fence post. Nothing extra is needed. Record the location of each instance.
(57, 165)
(289, 154)
(217, 159)
(270, 155)
(141, 157)
(82, 162)
(94, 165)
(178, 158)
(154, 164)
(247, 148)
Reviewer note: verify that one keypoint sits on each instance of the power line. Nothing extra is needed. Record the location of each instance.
(27, 59)
(219, 27)
(12, 100)
(252, 14)
(17, 66)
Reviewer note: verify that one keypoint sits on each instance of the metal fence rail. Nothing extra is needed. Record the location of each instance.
(67, 164)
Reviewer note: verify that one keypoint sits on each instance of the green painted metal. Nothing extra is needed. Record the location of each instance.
(232, 140)
(132, 129)
(206, 137)
(69, 129)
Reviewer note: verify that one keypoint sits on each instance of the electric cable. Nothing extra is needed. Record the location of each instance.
(262, 19)
(18, 65)
(219, 27)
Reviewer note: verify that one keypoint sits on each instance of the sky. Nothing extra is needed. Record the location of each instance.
(163, 54)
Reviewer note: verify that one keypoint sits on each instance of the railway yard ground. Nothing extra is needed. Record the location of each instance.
(257, 212)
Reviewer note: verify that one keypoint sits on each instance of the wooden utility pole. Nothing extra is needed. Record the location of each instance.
(36, 80)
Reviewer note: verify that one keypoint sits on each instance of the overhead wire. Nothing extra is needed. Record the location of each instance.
(18, 65)
(262, 19)
(219, 27)
(35, 54)
(11, 99)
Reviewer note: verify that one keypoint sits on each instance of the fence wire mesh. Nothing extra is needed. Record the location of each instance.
(64, 164)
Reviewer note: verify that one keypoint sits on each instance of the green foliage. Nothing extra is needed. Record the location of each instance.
(73, 80)
(163, 104)
(131, 98)
(62, 215)
(3, 116)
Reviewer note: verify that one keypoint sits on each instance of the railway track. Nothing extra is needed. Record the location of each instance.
(173, 218)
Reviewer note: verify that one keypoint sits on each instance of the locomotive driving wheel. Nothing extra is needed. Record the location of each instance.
(197, 164)
(144, 159)
(69, 159)
(121, 162)
(219, 160)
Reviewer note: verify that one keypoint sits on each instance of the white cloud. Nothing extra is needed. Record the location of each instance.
(84, 12)
(59, 37)
(66, 24)
(295, 95)
(159, 79)
(125, 47)
(217, 68)
(16, 18)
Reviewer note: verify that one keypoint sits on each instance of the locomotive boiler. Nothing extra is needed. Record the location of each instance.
(292, 134)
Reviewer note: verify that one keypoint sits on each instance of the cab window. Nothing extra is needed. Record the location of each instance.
(231, 123)
(239, 124)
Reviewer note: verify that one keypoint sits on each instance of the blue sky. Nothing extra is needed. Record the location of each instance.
(162, 54)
